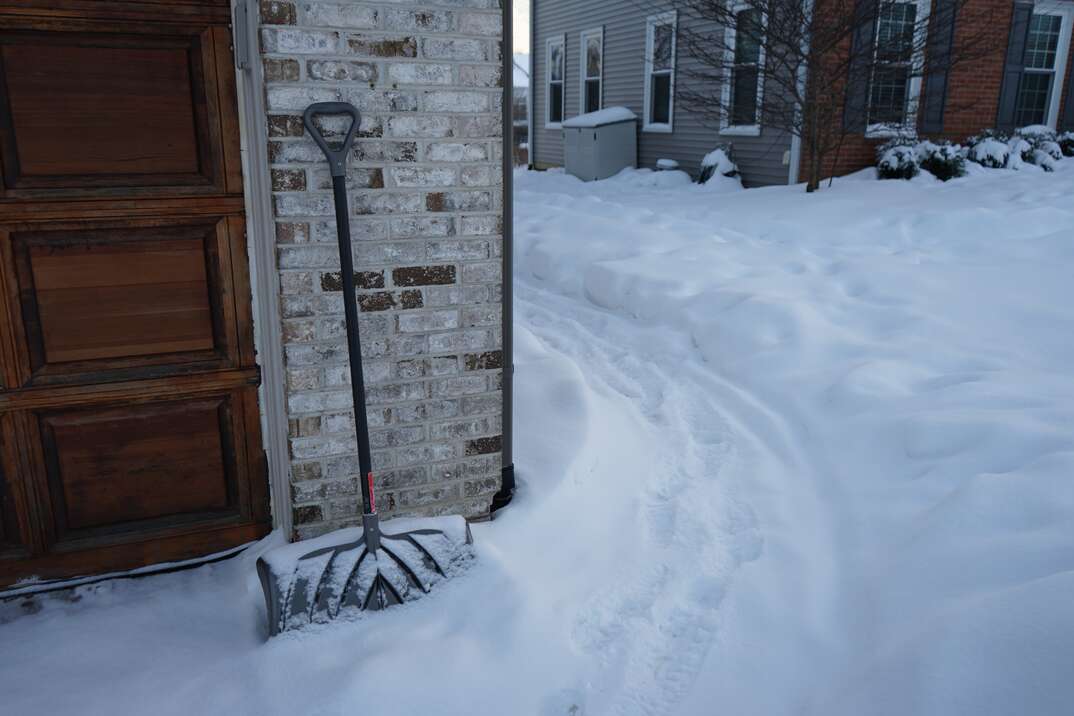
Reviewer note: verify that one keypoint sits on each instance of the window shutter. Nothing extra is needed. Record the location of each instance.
(1066, 120)
(1015, 63)
(861, 64)
(941, 36)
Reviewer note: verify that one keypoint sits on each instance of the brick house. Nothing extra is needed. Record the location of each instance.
(173, 377)
(1027, 79)
(633, 58)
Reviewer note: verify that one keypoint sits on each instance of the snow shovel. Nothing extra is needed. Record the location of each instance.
(359, 568)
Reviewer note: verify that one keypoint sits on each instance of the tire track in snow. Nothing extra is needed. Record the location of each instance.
(652, 632)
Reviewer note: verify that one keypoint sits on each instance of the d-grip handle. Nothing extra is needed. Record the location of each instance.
(337, 158)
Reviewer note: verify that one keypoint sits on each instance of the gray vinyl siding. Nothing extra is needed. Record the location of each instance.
(760, 159)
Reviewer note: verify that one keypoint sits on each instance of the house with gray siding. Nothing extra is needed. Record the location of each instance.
(592, 54)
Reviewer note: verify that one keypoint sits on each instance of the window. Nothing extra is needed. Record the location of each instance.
(592, 73)
(893, 89)
(1033, 103)
(742, 92)
(659, 72)
(554, 56)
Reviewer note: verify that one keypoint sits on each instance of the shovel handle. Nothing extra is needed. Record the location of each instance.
(337, 158)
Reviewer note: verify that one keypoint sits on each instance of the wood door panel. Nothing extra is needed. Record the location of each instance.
(109, 301)
(116, 300)
(123, 467)
(100, 112)
(137, 120)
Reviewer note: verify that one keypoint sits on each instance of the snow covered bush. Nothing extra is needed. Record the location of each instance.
(1066, 143)
(944, 160)
(1041, 139)
(1021, 152)
(896, 159)
(989, 149)
(715, 163)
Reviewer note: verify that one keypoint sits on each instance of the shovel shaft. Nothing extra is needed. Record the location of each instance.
(354, 346)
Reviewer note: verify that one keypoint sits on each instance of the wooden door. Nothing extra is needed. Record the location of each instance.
(129, 427)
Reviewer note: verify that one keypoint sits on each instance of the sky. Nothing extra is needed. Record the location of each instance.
(522, 26)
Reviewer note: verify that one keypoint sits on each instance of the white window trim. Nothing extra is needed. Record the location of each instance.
(741, 130)
(913, 93)
(583, 68)
(555, 40)
(665, 18)
(1062, 53)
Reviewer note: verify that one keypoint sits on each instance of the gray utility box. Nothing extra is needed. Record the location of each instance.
(600, 144)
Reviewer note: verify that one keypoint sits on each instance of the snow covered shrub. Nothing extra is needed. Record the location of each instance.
(1043, 139)
(896, 159)
(716, 162)
(989, 149)
(944, 160)
(1066, 143)
(1021, 152)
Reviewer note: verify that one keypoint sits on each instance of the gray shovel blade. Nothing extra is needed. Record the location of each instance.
(316, 581)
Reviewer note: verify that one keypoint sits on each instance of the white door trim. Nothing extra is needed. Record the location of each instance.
(264, 282)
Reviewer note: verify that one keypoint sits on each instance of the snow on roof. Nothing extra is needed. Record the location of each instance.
(611, 115)
(522, 70)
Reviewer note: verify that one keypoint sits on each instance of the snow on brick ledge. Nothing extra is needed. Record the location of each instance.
(611, 115)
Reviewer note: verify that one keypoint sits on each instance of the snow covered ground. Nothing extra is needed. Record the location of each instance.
(780, 454)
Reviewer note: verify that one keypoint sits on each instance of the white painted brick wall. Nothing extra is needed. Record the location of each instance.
(425, 183)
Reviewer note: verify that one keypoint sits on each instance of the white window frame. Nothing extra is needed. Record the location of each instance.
(1062, 52)
(583, 69)
(741, 130)
(913, 92)
(549, 43)
(665, 18)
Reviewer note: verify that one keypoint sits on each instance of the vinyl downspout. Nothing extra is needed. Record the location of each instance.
(507, 489)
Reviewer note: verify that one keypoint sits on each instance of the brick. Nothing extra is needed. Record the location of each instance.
(457, 250)
(298, 98)
(427, 321)
(484, 361)
(411, 300)
(481, 76)
(290, 233)
(438, 48)
(379, 301)
(307, 514)
(459, 201)
(406, 227)
(341, 71)
(419, 73)
(480, 24)
(357, 178)
(457, 101)
(456, 152)
(349, 15)
(285, 125)
(362, 279)
(274, 12)
(281, 70)
(488, 272)
(481, 226)
(424, 176)
(483, 446)
(288, 180)
(386, 151)
(432, 127)
(386, 203)
(423, 275)
(369, 46)
(425, 21)
(299, 42)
